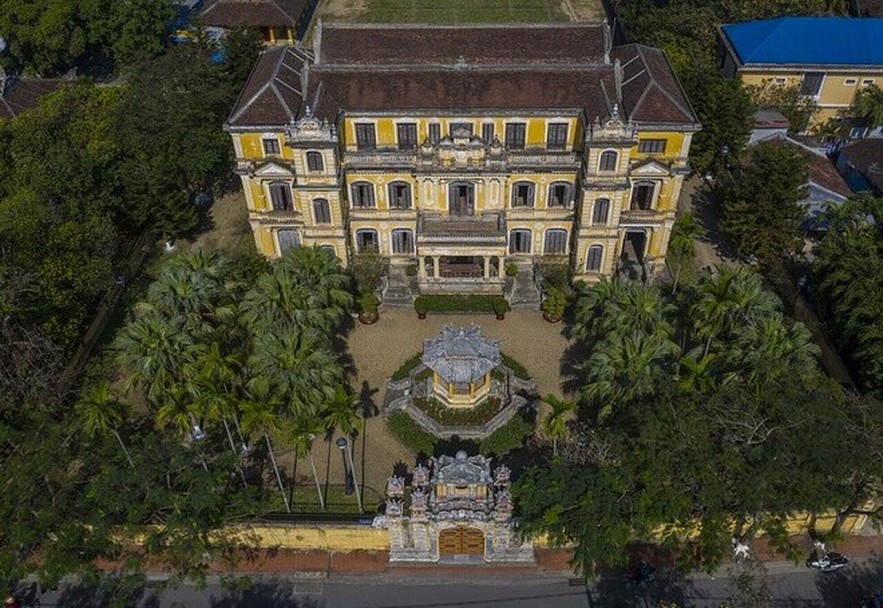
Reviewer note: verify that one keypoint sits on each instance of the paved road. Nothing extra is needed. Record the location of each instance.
(792, 587)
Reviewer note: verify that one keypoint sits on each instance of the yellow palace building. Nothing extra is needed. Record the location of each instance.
(461, 149)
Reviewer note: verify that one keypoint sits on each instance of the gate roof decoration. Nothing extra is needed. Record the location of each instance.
(462, 470)
(461, 354)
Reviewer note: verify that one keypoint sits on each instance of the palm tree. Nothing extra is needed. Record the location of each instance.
(297, 368)
(868, 105)
(101, 413)
(626, 367)
(555, 422)
(694, 375)
(594, 305)
(304, 430)
(341, 412)
(259, 417)
(768, 348)
(682, 243)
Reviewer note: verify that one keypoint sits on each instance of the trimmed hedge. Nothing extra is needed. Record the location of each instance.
(402, 372)
(515, 366)
(450, 416)
(446, 303)
(510, 436)
(411, 434)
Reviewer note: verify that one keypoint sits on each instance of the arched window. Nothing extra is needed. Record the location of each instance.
(363, 195)
(608, 161)
(280, 196)
(556, 241)
(600, 211)
(287, 238)
(322, 211)
(519, 241)
(594, 259)
(560, 194)
(367, 241)
(315, 162)
(642, 196)
(522, 194)
(329, 248)
(402, 241)
(400, 195)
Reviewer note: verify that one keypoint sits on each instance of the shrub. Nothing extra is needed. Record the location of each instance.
(510, 436)
(420, 305)
(515, 366)
(367, 269)
(443, 303)
(450, 416)
(555, 303)
(402, 372)
(500, 305)
(368, 302)
(555, 271)
(411, 434)
(411, 270)
(511, 269)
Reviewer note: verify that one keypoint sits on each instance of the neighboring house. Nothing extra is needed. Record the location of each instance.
(462, 148)
(861, 164)
(830, 58)
(824, 186)
(866, 8)
(280, 21)
(20, 94)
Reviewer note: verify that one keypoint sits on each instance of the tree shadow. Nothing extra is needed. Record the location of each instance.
(400, 469)
(849, 586)
(270, 594)
(707, 209)
(668, 587)
(452, 445)
(109, 591)
(366, 400)
(572, 360)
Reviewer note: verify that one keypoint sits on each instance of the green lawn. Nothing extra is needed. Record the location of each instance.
(463, 11)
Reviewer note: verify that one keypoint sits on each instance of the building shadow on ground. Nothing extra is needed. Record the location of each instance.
(849, 586)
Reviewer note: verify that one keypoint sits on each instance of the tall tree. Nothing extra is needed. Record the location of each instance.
(102, 413)
(682, 244)
(555, 423)
(761, 210)
(868, 105)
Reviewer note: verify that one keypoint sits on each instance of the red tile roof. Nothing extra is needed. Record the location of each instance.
(257, 13)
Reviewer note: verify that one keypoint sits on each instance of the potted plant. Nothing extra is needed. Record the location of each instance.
(554, 305)
(368, 303)
(500, 306)
(511, 269)
(421, 307)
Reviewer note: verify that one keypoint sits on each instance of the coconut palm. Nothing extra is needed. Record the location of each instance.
(101, 413)
(594, 304)
(768, 348)
(555, 423)
(625, 367)
(341, 411)
(195, 283)
(869, 105)
(295, 367)
(682, 243)
(303, 431)
(260, 418)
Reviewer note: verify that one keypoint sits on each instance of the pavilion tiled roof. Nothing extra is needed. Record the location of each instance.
(256, 13)
(461, 354)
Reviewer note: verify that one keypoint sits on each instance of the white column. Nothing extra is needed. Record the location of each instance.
(501, 267)
(487, 267)
(421, 262)
(435, 261)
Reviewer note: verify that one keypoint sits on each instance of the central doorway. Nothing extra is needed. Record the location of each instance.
(462, 198)
(461, 541)
(633, 246)
(461, 266)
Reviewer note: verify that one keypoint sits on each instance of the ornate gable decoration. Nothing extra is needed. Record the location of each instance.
(308, 128)
(650, 167)
(273, 168)
(612, 128)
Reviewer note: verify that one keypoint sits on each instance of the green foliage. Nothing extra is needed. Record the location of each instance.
(682, 244)
(406, 368)
(555, 272)
(868, 105)
(448, 416)
(788, 100)
(510, 436)
(367, 269)
(411, 434)
(368, 303)
(517, 368)
(760, 207)
(848, 273)
(555, 303)
(511, 269)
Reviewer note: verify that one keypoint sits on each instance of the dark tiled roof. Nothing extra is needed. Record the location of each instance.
(257, 13)
(449, 89)
(866, 156)
(504, 74)
(273, 92)
(343, 44)
(650, 91)
(822, 171)
(869, 8)
(23, 95)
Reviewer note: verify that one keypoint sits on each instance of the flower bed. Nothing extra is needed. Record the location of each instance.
(448, 416)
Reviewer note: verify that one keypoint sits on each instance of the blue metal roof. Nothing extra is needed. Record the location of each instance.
(808, 41)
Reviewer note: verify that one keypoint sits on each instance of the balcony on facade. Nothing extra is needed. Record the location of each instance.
(482, 230)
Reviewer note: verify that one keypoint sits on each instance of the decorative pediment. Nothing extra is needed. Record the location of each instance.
(308, 128)
(650, 167)
(273, 168)
(611, 128)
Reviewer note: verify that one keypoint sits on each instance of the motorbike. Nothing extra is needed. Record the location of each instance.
(827, 562)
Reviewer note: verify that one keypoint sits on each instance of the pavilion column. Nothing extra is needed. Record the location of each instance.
(421, 263)
(472, 389)
(487, 267)
(435, 265)
(501, 267)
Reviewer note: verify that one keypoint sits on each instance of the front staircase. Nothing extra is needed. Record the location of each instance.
(525, 295)
(398, 292)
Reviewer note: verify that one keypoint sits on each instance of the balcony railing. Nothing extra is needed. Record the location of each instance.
(544, 159)
(380, 158)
